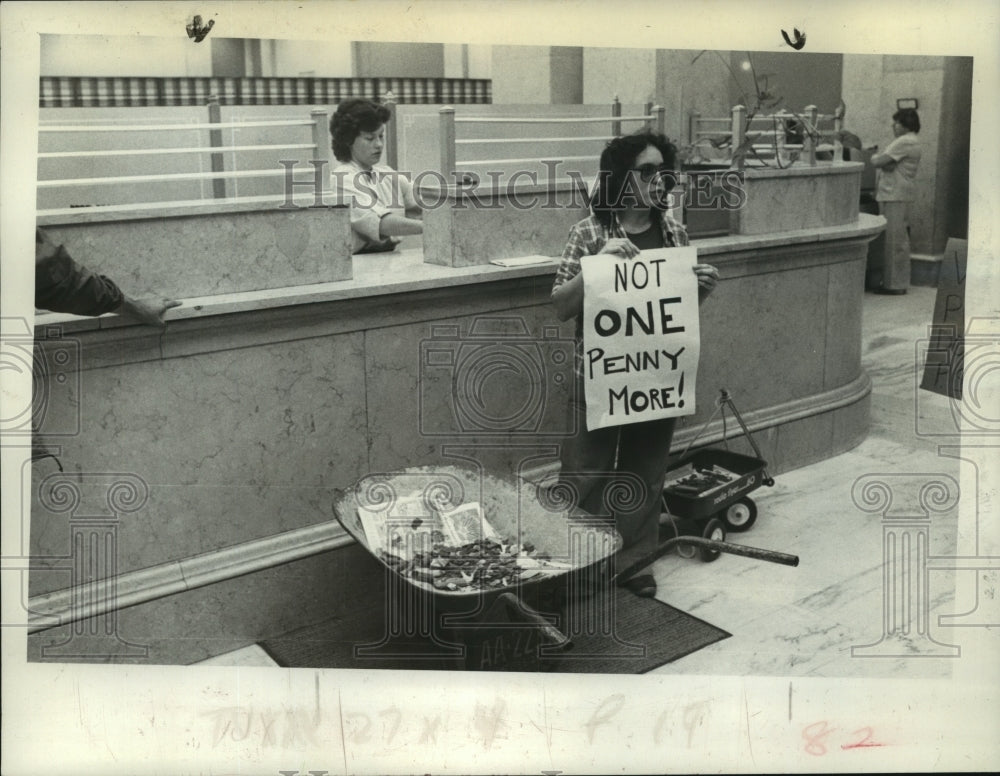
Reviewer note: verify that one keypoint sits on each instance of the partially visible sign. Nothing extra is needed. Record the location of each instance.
(641, 337)
(945, 354)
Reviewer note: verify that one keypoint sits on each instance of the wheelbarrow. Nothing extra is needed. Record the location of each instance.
(572, 554)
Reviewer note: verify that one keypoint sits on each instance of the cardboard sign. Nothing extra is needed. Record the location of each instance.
(641, 338)
(945, 355)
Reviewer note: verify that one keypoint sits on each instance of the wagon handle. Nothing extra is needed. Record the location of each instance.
(696, 437)
(699, 541)
(726, 399)
(549, 635)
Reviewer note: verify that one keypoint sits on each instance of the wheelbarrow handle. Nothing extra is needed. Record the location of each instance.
(698, 541)
(547, 632)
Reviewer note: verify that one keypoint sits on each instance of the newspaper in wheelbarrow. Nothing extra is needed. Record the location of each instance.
(450, 548)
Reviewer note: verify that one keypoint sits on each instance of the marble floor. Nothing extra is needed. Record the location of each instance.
(804, 621)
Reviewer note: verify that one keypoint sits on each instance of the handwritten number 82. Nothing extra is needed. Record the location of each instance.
(817, 734)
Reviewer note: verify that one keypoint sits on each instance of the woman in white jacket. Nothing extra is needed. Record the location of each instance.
(896, 189)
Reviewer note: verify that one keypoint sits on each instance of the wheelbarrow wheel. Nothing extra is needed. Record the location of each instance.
(716, 531)
(740, 515)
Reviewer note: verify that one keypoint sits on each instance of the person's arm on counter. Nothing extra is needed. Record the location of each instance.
(396, 225)
(64, 286)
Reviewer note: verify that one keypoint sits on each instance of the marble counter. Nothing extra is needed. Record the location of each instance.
(238, 419)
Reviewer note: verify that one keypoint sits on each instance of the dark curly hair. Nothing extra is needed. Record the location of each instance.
(617, 160)
(351, 118)
(908, 118)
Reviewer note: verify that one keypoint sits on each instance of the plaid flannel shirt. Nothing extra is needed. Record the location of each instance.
(588, 237)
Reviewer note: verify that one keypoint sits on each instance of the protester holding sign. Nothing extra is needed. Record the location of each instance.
(628, 216)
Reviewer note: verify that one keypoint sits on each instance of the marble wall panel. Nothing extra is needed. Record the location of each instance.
(804, 441)
(843, 328)
(760, 340)
(215, 253)
(789, 202)
(522, 74)
(232, 445)
(497, 382)
(628, 74)
(467, 236)
(850, 428)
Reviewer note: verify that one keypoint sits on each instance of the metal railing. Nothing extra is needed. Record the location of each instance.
(782, 137)
(653, 117)
(215, 147)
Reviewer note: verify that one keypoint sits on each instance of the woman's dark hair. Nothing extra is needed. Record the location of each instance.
(908, 118)
(351, 118)
(617, 160)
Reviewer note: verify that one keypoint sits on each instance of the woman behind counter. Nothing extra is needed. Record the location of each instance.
(628, 215)
(383, 207)
(897, 173)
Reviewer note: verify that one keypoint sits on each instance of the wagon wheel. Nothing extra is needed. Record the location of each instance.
(740, 515)
(686, 550)
(716, 531)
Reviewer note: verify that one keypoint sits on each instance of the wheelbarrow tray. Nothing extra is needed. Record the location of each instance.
(516, 509)
(750, 476)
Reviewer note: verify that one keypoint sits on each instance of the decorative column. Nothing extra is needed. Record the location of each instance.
(906, 630)
(95, 504)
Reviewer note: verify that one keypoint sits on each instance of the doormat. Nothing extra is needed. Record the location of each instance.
(630, 636)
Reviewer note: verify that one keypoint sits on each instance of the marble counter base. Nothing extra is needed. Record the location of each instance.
(236, 425)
